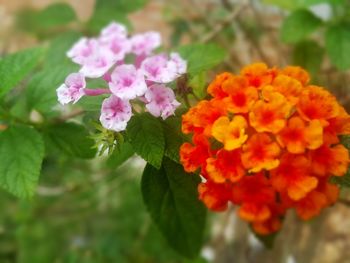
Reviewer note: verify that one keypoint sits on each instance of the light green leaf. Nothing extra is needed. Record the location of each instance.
(121, 153)
(41, 90)
(298, 25)
(56, 54)
(309, 55)
(171, 197)
(145, 133)
(103, 16)
(202, 57)
(53, 16)
(295, 4)
(21, 154)
(199, 84)
(338, 45)
(123, 6)
(15, 67)
(72, 139)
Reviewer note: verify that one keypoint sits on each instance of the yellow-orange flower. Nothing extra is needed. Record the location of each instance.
(330, 160)
(258, 74)
(289, 87)
(226, 165)
(293, 176)
(240, 96)
(298, 136)
(297, 73)
(260, 152)
(267, 142)
(270, 115)
(316, 103)
(230, 133)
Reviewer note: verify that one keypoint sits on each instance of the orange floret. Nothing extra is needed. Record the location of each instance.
(311, 205)
(316, 103)
(215, 196)
(260, 152)
(270, 115)
(201, 117)
(298, 136)
(258, 74)
(193, 156)
(254, 193)
(215, 88)
(297, 73)
(293, 176)
(241, 97)
(330, 160)
(230, 133)
(269, 226)
(289, 87)
(226, 165)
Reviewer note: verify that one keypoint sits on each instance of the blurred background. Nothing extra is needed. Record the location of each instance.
(92, 211)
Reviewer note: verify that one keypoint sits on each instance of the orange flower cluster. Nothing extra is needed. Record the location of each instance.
(267, 141)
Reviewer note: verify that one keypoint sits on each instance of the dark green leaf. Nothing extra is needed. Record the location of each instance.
(343, 181)
(121, 153)
(202, 57)
(345, 140)
(72, 139)
(173, 138)
(266, 240)
(298, 25)
(309, 55)
(146, 135)
(14, 67)
(338, 45)
(170, 195)
(21, 154)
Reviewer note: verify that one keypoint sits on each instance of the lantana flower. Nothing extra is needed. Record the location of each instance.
(141, 80)
(72, 89)
(266, 141)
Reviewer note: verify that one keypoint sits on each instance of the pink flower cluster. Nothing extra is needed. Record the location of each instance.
(144, 80)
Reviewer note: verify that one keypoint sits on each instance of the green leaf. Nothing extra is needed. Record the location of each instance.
(173, 138)
(267, 240)
(298, 25)
(201, 57)
(103, 16)
(15, 67)
(291, 5)
(121, 153)
(338, 45)
(41, 90)
(171, 197)
(56, 54)
(123, 6)
(72, 139)
(55, 15)
(309, 55)
(146, 135)
(345, 140)
(343, 181)
(199, 84)
(21, 154)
